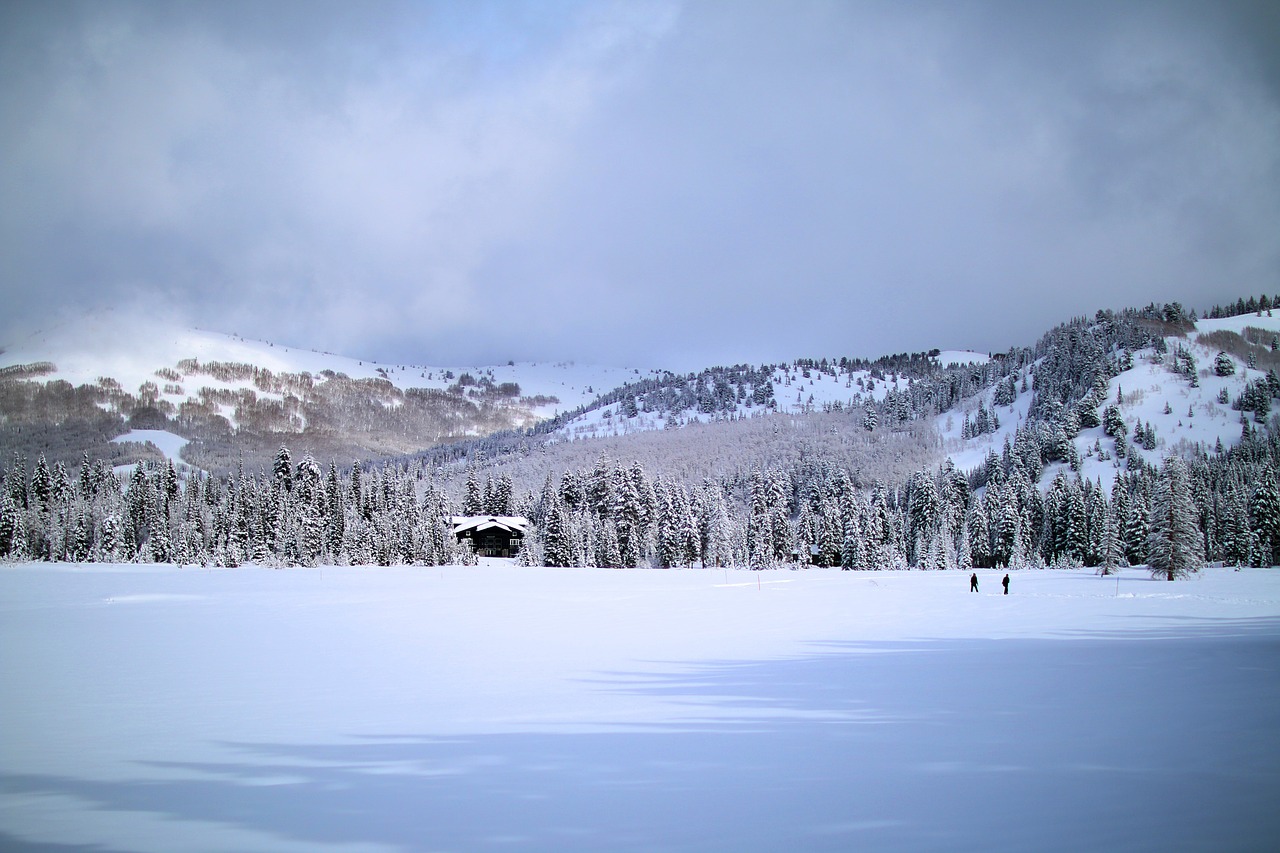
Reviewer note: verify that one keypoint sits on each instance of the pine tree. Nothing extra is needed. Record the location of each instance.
(924, 515)
(1236, 536)
(979, 539)
(1175, 547)
(1135, 534)
(42, 484)
(473, 502)
(1264, 514)
(1096, 522)
(557, 546)
(8, 524)
(283, 469)
(853, 552)
(759, 525)
(871, 419)
(1112, 545)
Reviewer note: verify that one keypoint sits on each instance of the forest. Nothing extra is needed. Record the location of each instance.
(865, 489)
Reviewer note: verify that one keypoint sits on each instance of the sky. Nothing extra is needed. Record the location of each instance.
(649, 183)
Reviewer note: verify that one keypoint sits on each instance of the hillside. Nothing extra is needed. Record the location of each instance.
(1151, 388)
(123, 389)
(73, 388)
(1108, 440)
(804, 386)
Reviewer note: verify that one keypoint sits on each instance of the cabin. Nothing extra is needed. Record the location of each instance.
(492, 535)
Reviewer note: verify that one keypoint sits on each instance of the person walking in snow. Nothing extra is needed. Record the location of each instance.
(973, 582)
(1006, 584)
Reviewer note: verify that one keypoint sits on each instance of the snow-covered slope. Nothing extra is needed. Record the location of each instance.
(130, 351)
(797, 389)
(1182, 416)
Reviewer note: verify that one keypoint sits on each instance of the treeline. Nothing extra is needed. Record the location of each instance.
(806, 498)
(1222, 506)
(290, 515)
(1252, 305)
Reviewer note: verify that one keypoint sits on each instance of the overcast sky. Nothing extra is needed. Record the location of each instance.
(654, 184)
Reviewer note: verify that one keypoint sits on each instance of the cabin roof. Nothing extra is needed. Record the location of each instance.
(509, 523)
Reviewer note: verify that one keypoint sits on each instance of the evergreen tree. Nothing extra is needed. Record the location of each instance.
(1264, 516)
(979, 539)
(1112, 545)
(473, 502)
(924, 514)
(42, 484)
(853, 552)
(1175, 548)
(283, 469)
(8, 524)
(871, 419)
(1095, 522)
(759, 525)
(1135, 535)
(1236, 534)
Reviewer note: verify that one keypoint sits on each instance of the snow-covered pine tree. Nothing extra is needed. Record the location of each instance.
(1096, 522)
(1175, 547)
(853, 551)
(1112, 545)
(759, 524)
(924, 515)
(1264, 517)
(473, 500)
(1235, 537)
(283, 469)
(978, 538)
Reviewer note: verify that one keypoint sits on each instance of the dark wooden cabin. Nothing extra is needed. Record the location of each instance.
(492, 535)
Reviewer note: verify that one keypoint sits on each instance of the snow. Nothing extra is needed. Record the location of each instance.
(794, 393)
(166, 442)
(131, 349)
(1141, 394)
(156, 708)
(1239, 323)
(1149, 386)
(951, 357)
(968, 454)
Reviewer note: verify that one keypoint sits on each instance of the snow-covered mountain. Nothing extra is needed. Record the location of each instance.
(85, 351)
(220, 397)
(215, 387)
(1060, 453)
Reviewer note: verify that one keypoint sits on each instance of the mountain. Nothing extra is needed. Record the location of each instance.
(80, 387)
(1095, 398)
(1139, 436)
(90, 386)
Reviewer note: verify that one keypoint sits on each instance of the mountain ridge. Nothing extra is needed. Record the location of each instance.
(86, 382)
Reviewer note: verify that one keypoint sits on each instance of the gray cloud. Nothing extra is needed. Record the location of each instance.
(646, 183)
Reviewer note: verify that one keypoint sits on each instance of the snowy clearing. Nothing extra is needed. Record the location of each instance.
(157, 708)
(166, 442)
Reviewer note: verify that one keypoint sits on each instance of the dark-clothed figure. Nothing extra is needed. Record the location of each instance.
(1006, 584)
(973, 582)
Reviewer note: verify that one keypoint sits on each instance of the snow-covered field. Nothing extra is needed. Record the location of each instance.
(499, 708)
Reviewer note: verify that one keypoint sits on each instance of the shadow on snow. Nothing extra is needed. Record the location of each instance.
(937, 745)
